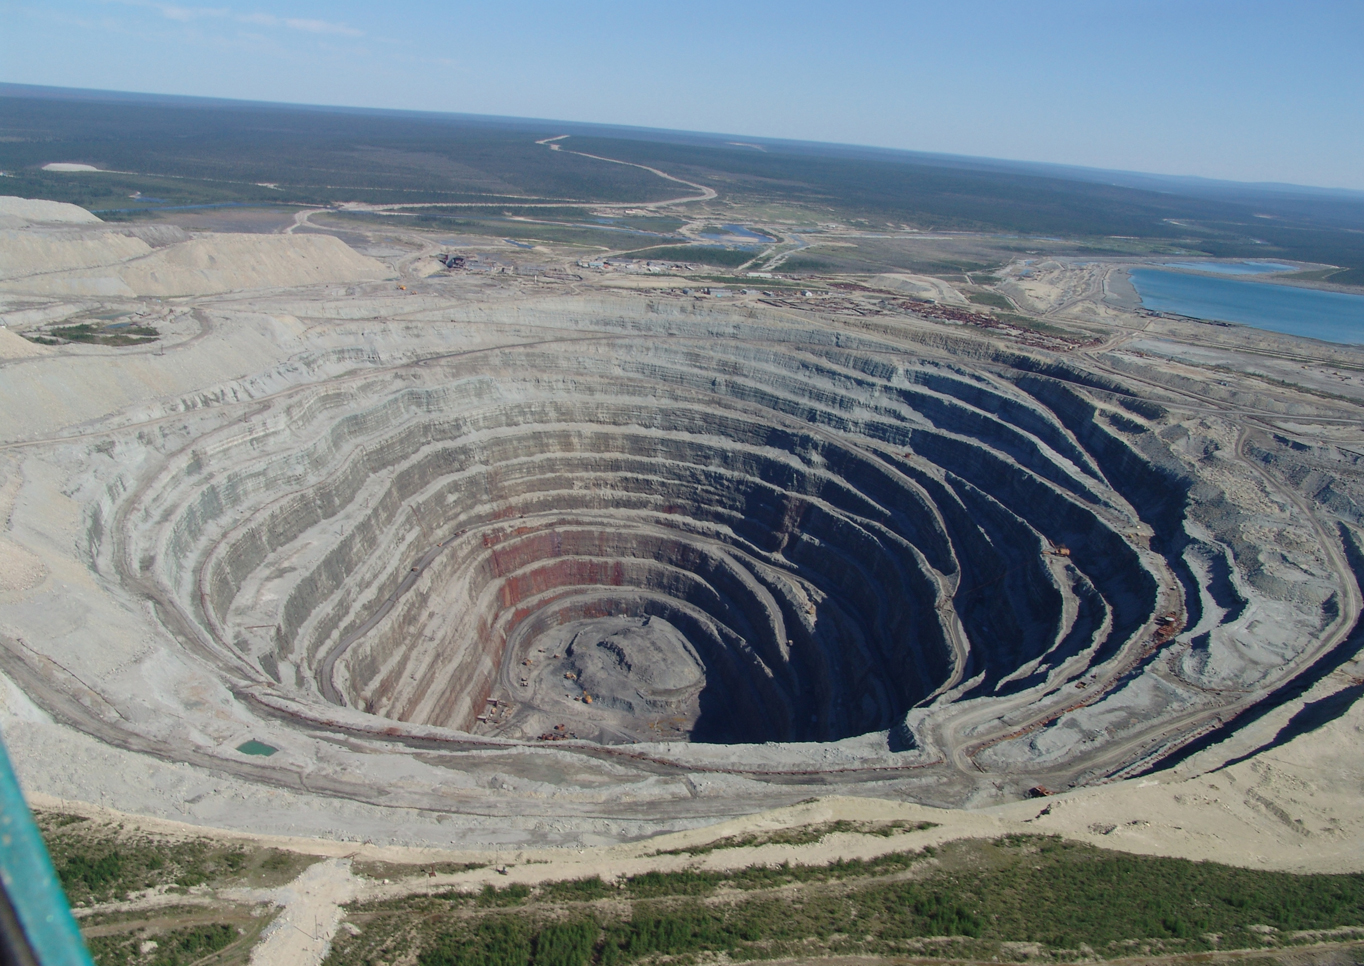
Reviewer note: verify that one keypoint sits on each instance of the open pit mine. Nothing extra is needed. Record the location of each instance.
(542, 559)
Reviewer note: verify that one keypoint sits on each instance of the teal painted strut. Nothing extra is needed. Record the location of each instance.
(36, 925)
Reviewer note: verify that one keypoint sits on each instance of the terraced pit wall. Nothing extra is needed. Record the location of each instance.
(833, 532)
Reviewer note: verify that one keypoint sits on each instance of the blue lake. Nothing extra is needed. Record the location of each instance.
(1329, 316)
(739, 231)
(1234, 268)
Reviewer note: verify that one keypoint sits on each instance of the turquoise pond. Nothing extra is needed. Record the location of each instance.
(254, 747)
(1328, 316)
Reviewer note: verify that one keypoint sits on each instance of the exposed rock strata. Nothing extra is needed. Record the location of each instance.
(838, 536)
(721, 523)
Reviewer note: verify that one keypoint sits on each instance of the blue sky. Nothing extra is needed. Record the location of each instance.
(1246, 90)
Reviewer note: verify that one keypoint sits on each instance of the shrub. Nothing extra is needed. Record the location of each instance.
(497, 941)
(566, 944)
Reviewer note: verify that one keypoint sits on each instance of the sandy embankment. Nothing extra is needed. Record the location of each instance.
(1295, 808)
(1119, 291)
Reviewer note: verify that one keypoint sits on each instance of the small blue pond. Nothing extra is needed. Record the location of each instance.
(739, 231)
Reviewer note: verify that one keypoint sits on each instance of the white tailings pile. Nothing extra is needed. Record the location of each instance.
(28, 253)
(16, 211)
(228, 263)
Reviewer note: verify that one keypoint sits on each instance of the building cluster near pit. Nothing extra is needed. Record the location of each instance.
(636, 266)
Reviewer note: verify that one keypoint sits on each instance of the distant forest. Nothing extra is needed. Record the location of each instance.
(187, 151)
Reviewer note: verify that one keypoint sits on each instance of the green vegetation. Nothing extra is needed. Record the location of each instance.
(1319, 275)
(663, 224)
(966, 900)
(566, 944)
(92, 334)
(566, 226)
(693, 882)
(804, 263)
(500, 941)
(890, 192)
(701, 254)
(393, 870)
(802, 835)
(723, 231)
(506, 212)
(506, 941)
(532, 231)
(190, 153)
(872, 256)
(176, 947)
(100, 861)
(1035, 325)
(992, 299)
(511, 895)
(577, 890)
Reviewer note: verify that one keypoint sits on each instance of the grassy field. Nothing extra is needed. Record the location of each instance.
(385, 870)
(802, 835)
(700, 254)
(101, 862)
(178, 937)
(877, 255)
(992, 299)
(191, 154)
(1017, 897)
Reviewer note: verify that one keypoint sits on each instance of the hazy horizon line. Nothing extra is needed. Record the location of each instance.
(1046, 168)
